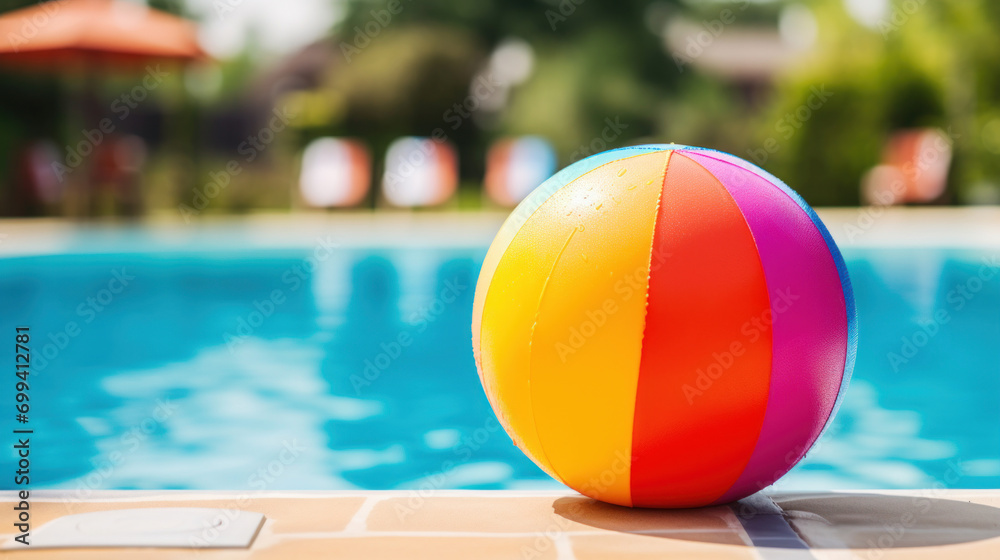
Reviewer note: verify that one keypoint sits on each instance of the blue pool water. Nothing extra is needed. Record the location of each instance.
(254, 370)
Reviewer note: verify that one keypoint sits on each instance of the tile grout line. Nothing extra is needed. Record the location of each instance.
(736, 526)
(359, 523)
(564, 547)
(766, 525)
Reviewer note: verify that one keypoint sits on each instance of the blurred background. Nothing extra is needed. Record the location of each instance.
(843, 99)
(222, 218)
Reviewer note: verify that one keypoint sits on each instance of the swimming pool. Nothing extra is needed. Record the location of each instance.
(312, 368)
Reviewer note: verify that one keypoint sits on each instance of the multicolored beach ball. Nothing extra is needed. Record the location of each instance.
(664, 326)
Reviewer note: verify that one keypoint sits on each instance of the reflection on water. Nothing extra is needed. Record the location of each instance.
(924, 405)
(277, 371)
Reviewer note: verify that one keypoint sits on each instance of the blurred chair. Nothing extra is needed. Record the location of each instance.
(336, 173)
(914, 168)
(419, 172)
(116, 176)
(38, 188)
(515, 166)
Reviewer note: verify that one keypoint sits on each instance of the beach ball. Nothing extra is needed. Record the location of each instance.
(419, 172)
(664, 326)
(336, 172)
(514, 167)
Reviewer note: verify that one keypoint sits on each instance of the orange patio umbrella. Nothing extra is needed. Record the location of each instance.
(90, 34)
(90, 38)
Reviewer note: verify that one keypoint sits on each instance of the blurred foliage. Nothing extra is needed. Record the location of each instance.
(927, 64)
(592, 61)
(39, 114)
(603, 77)
(406, 82)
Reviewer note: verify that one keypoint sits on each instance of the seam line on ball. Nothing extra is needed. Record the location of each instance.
(486, 299)
(645, 313)
(486, 296)
(767, 291)
(838, 262)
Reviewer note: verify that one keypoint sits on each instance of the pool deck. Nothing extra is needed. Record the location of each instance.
(559, 525)
(871, 226)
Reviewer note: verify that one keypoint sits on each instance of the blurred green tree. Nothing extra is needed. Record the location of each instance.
(929, 63)
(599, 77)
